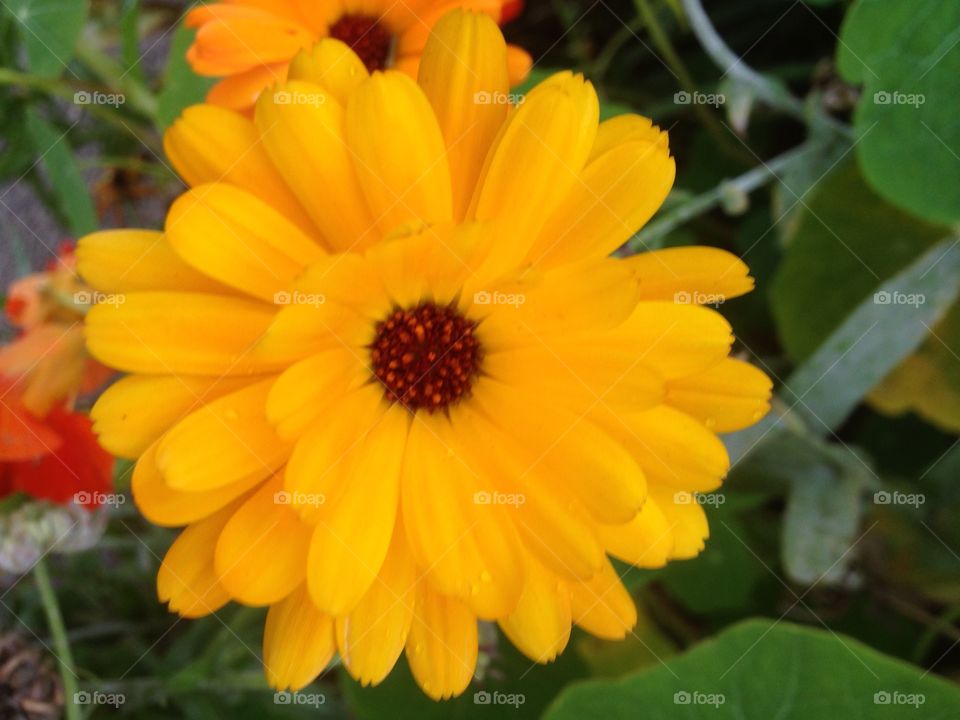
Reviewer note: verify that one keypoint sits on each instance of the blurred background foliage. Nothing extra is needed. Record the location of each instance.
(816, 139)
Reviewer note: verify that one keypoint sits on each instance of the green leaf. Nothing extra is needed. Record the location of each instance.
(759, 670)
(907, 56)
(181, 86)
(49, 30)
(130, 40)
(63, 174)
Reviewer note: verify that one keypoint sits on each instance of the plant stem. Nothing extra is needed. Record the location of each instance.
(775, 95)
(662, 42)
(60, 642)
(112, 74)
(652, 234)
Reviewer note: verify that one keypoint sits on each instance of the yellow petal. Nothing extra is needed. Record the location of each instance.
(687, 520)
(136, 410)
(353, 535)
(602, 606)
(442, 644)
(537, 159)
(615, 196)
(122, 261)
(372, 635)
(187, 581)
(225, 441)
(323, 459)
(261, 555)
(540, 624)
(298, 642)
(463, 72)
(468, 546)
(162, 505)
(209, 144)
(729, 396)
(313, 388)
(690, 275)
(646, 541)
(398, 152)
(231, 235)
(332, 65)
(673, 449)
(302, 128)
(676, 340)
(621, 130)
(183, 333)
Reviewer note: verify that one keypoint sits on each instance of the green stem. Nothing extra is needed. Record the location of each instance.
(112, 74)
(773, 94)
(60, 642)
(650, 237)
(662, 42)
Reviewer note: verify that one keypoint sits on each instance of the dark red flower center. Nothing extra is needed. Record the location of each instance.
(367, 37)
(426, 357)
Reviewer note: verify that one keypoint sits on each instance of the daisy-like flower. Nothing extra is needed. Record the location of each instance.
(250, 43)
(386, 373)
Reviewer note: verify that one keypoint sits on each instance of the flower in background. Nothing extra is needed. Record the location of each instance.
(250, 43)
(386, 372)
(48, 451)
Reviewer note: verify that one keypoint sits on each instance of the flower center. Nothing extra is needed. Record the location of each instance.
(366, 37)
(426, 357)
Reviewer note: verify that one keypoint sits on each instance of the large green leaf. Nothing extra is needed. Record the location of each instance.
(69, 188)
(49, 30)
(907, 56)
(759, 670)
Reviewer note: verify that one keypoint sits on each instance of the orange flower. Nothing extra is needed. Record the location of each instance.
(250, 43)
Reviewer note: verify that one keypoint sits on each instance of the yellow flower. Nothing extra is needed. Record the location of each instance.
(385, 372)
(250, 43)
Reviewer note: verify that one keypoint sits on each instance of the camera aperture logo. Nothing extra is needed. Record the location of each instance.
(485, 297)
(698, 98)
(884, 97)
(314, 700)
(895, 697)
(288, 97)
(485, 697)
(98, 498)
(484, 497)
(95, 697)
(896, 297)
(688, 498)
(85, 97)
(91, 297)
(498, 98)
(299, 499)
(296, 297)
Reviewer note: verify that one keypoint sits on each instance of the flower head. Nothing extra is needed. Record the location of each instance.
(386, 373)
(250, 43)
